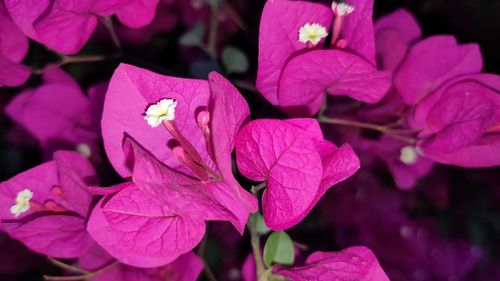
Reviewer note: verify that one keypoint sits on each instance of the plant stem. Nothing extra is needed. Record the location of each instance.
(255, 241)
(67, 267)
(212, 37)
(108, 23)
(234, 15)
(380, 128)
(75, 59)
(208, 272)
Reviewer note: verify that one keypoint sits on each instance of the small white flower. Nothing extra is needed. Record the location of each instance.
(84, 149)
(22, 205)
(341, 9)
(163, 110)
(312, 32)
(409, 155)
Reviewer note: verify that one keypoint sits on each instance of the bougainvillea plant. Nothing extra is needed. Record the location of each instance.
(333, 144)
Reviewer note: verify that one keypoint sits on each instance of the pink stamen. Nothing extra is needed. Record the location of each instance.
(35, 207)
(188, 147)
(186, 160)
(54, 207)
(203, 121)
(341, 44)
(58, 192)
(337, 29)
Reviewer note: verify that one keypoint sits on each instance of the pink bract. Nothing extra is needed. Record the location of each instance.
(460, 122)
(13, 48)
(58, 114)
(296, 163)
(65, 26)
(431, 62)
(355, 263)
(306, 79)
(395, 33)
(278, 39)
(54, 224)
(186, 268)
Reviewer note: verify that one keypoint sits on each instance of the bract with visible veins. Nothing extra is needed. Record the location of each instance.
(460, 122)
(306, 79)
(433, 61)
(51, 219)
(279, 39)
(355, 263)
(296, 163)
(58, 114)
(186, 268)
(66, 26)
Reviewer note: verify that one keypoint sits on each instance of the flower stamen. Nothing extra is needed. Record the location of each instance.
(312, 33)
(163, 110)
(22, 205)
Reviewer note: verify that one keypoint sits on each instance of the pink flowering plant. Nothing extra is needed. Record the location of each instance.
(244, 140)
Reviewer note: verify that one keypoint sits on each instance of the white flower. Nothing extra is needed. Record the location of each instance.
(341, 9)
(409, 155)
(84, 149)
(312, 32)
(163, 110)
(22, 202)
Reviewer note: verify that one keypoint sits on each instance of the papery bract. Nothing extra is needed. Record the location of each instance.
(58, 114)
(186, 268)
(460, 122)
(137, 13)
(133, 227)
(355, 263)
(307, 77)
(395, 33)
(431, 62)
(193, 186)
(65, 26)
(132, 89)
(13, 48)
(357, 30)
(297, 165)
(54, 222)
(279, 38)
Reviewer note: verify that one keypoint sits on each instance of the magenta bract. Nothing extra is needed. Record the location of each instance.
(294, 76)
(58, 114)
(46, 207)
(65, 26)
(461, 122)
(395, 33)
(186, 268)
(431, 62)
(296, 163)
(355, 263)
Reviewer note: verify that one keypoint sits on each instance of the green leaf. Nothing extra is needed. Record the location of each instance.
(234, 60)
(260, 225)
(194, 36)
(279, 249)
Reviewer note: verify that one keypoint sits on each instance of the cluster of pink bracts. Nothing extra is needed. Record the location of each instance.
(172, 139)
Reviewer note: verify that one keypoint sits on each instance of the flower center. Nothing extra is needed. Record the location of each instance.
(163, 111)
(84, 149)
(408, 155)
(312, 33)
(22, 204)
